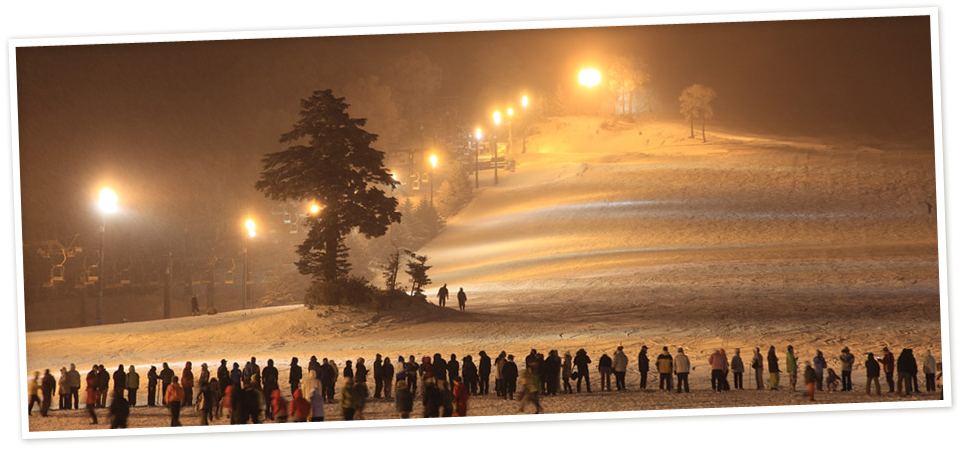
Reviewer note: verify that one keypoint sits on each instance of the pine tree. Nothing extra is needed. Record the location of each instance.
(330, 160)
(417, 269)
(454, 194)
(391, 268)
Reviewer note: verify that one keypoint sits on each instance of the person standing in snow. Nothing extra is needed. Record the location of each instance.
(271, 382)
(223, 375)
(453, 368)
(483, 370)
(681, 366)
(620, 362)
(665, 367)
(173, 398)
(387, 377)
(718, 365)
(510, 373)
(736, 365)
(296, 374)
(74, 377)
(930, 370)
(566, 369)
(186, 381)
(63, 385)
(906, 371)
(792, 367)
(152, 378)
(103, 385)
(888, 365)
(48, 386)
(773, 365)
(810, 377)
(582, 361)
(194, 306)
(166, 377)
(119, 381)
(205, 401)
(133, 383)
(377, 376)
(605, 367)
(327, 379)
(470, 375)
(34, 391)
(643, 365)
(93, 393)
(873, 373)
(442, 295)
(462, 300)
(819, 365)
(757, 366)
(846, 369)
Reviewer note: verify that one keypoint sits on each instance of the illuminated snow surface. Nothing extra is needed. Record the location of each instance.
(613, 237)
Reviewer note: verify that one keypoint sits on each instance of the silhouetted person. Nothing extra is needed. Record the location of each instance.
(582, 361)
(133, 383)
(166, 377)
(462, 299)
(74, 379)
(442, 295)
(48, 386)
(643, 365)
(510, 374)
(296, 374)
(152, 378)
(194, 306)
(119, 411)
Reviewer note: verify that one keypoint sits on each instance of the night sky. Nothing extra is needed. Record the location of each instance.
(179, 128)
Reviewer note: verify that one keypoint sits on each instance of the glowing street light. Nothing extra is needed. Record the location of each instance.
(590, 77)
(496, 117)
(315, 208)
(524, 101)
(107, 205)
(245, 291)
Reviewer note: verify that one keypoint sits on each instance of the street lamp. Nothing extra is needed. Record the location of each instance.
(476, 160)
(107, 205)
(524, 101)
(496, 149)
(245, 291)
(590, 78)
(433, 171)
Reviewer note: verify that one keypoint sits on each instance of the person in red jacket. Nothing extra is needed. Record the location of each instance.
(174, 398)
(93, 393)
(299, 406)
(460, 396)
(186, 381)
(887, 362)
(279, 405)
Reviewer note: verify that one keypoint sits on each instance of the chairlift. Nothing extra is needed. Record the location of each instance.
(294, 228)
(287, 218)
(56, 274)
(228, 276)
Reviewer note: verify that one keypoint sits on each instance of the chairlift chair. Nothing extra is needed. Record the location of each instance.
(228, 275)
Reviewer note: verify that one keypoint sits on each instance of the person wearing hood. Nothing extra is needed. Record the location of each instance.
(906, 370)
(92, 393)
(643, 365)
(166, 377)
(278, 406)
(387, 378)
(930, 370)
(204, 374)
(403, 399)
(773, 365)
(718, 365)
(300, 407)
(582, 361)
(736, 365)
(873, 373)
(810, 377)
(566, 369)
(348, 369)
(74, 377)
(173, 398)
(757, 366)
(620, 362)
(133, 383)
(888, 364)
(681, 366)
(846, 369)
(792, 367)
(819, 366)
(63, 385)
(186, 381)
(665, 367)
(377, 376)
(605, 367)
(483, 370)
(317, 403)
(34, 391)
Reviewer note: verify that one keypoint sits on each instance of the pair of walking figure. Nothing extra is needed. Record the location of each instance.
(443, 294)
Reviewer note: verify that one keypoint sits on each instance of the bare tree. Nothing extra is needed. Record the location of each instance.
(626, 77)
(695, 104)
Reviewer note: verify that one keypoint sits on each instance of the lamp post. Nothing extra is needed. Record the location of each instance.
(524, 101)
(476, 160)
(496, 149)
(245, 291)
(590, 78)
(107, 205)
(433, 171)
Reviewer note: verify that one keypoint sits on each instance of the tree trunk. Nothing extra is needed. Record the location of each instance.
(691, 126)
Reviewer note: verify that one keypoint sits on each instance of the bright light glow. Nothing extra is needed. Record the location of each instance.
(433, 161)
(524, 101)
(589, 77)
(394, 176)
(252, 227)
(509, 111)
(314, 208)
(108, 201)
(496, 117)
(479, 134)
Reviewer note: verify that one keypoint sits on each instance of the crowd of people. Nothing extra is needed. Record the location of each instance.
(253, 394)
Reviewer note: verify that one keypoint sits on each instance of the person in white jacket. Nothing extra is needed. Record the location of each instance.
(620, 368)
(681, 366)
(930, 370)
